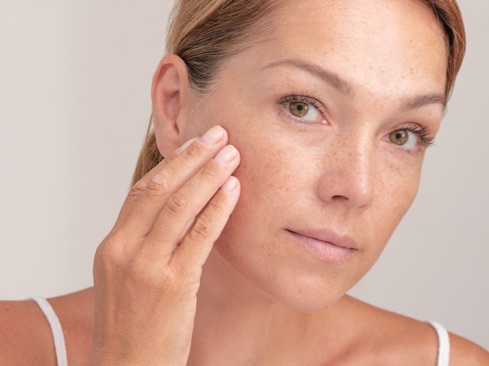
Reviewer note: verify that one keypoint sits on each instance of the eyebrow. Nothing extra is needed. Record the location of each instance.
(422, 100)
(329, 77)
(342, 85)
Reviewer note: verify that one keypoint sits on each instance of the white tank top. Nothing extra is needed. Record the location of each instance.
(62, 360)
(443, 344)
(56, 330)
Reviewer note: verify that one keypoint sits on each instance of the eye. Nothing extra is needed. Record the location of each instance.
(303, 108)
(409, 138)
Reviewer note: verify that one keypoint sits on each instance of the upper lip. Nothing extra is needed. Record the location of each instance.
(343, 241)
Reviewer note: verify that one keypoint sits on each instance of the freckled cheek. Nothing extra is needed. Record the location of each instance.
(399, 197)
(260, 172)
(264, 200)
(263, 195)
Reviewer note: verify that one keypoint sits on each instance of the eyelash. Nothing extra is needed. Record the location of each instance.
(302, 98)
(421, 132)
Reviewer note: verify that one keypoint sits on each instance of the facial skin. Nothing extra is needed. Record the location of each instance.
(336, 168)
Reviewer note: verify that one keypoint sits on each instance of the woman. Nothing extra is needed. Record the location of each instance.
(293, 135)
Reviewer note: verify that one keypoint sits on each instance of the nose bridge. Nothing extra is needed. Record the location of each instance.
(349, 173)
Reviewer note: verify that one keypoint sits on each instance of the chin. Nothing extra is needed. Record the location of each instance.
(306, 293)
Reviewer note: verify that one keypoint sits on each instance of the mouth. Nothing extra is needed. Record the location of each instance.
(325, 244)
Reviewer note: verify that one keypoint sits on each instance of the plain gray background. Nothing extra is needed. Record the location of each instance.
(75, 82)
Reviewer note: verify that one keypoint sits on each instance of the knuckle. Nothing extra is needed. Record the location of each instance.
(137, 269)
(152, 274)
(178, 204)
(209, 172)
(202, 229)
(137, 189)
(161, 183)
(110, 254)
(193, 152)
(217, 205)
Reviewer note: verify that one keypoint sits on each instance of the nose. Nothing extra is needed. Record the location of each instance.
(349, 173)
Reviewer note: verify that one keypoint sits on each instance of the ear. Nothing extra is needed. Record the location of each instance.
(171, 96)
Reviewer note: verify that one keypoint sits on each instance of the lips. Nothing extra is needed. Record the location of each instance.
(327, 236)
(325, 244)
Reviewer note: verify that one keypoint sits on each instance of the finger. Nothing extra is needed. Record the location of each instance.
(182, 208)
(197, 244)
(140, 214)
(138, 189)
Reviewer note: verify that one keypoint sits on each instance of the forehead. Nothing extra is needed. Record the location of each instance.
(394, 45)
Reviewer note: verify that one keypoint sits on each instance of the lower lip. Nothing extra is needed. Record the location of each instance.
(323, 250)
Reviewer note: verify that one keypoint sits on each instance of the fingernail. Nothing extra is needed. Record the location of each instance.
(226, 155)
(213, 136)
(230, 184)
(185, 145)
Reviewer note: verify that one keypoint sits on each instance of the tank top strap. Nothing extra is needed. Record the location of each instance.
(56, 330)
(443, 344)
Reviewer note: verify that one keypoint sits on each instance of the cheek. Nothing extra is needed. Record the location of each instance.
(245, 231)
(268, 178)
(394, 199)
(403, 181)
(264, 173)
(406, 196)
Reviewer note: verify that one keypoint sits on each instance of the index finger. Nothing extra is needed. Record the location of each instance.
(148, 195)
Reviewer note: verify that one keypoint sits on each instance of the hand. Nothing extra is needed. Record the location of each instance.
(147, 270)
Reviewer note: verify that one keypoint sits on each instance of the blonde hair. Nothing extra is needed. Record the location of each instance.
(205, 33)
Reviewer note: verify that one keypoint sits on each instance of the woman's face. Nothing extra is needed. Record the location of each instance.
(331, 115)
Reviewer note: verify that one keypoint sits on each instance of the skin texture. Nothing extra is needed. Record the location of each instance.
(338, 172)
(258, 297)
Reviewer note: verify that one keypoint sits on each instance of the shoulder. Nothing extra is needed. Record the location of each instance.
(76, 314)
(25, 334)
(466, 353)
(393, 337)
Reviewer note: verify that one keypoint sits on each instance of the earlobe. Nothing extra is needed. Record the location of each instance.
(169, 93)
